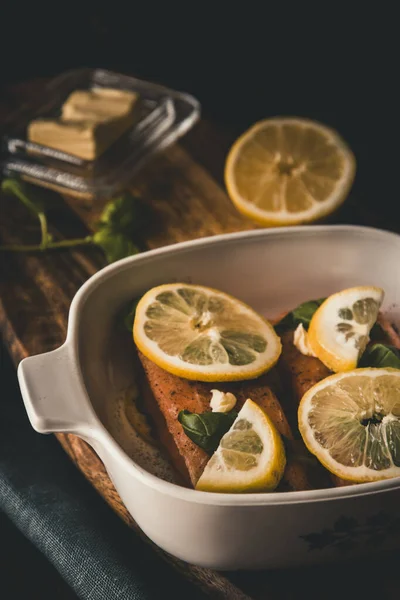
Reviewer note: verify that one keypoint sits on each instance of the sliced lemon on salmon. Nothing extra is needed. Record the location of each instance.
(203, 334)
(351, 423)
(250, 457)
(339, 329)
(286, 171)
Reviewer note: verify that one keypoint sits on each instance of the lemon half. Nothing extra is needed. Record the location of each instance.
(250, 457)
(203, 334)
(286, 171)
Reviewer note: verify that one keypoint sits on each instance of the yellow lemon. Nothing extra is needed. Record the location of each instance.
(351, 423)
(286, 171)
(339, 329)
(203, 334)
(250, 457)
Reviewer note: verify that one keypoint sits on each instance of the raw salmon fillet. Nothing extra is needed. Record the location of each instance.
(302, 372)
(172, 394)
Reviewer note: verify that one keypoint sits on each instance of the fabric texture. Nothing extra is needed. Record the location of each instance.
(53, 505)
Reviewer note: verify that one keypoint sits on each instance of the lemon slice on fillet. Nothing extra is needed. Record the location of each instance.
(200, 333)
(286, 171)
(250, 457)
(339, 329)
(351, 423)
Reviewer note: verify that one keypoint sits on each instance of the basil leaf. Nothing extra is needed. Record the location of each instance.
(114, 245)
(122, 218)
(126, 214)
(380, 356)
(206, 429)
(302, 314)
(377, 332)
(127, 315)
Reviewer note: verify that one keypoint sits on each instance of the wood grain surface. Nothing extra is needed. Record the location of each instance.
(183, 186)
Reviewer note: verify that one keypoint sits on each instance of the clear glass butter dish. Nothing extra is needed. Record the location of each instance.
(163, 116)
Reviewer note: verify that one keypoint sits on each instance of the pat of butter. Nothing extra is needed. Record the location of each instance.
(300, 340)
(91, 120)
(79, 139)
(98, 104)
(221, 401)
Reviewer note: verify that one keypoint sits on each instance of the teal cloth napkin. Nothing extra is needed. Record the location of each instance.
(53, 505)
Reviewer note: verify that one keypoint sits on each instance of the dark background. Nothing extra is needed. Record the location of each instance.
(338, 65)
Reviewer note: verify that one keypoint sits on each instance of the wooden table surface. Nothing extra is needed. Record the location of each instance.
(184, 189)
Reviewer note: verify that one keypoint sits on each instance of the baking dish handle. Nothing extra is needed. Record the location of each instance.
(53, 394)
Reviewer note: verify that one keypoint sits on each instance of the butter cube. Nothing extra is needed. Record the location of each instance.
(90, 121)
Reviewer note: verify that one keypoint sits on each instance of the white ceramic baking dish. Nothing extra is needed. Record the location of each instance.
(272, 270)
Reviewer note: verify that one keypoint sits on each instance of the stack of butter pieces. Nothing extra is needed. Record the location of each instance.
(90, 121)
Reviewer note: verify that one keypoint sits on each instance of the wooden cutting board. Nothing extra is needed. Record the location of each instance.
(183, 187)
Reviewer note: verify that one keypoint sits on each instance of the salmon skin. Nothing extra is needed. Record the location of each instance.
(171, 394)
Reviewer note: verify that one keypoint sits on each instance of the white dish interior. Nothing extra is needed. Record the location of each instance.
(271, 272)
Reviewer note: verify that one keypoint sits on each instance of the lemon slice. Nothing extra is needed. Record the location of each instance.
(351, 422)
(250, 457)
(200, 333)
(285, 171)
(339, 329)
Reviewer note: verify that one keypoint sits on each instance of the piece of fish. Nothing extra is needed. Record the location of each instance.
(391, 333)
(300, 373)
(171, 394)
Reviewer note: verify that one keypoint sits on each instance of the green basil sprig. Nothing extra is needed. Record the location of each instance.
(206, 429)
(121, 221)
(126, 316)
(33, 202)
(302, 314)
(377, 332)
(380, 356)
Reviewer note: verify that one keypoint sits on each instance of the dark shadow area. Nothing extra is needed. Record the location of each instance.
(339, 67)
